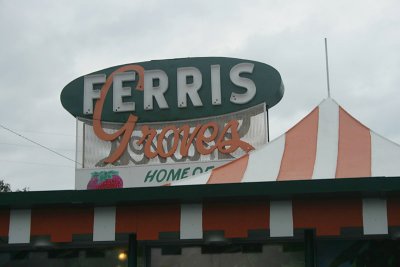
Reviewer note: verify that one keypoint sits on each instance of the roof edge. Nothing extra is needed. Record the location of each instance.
(353, 187)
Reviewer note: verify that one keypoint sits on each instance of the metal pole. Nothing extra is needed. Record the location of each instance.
(267, 125)
(132, 251)
(309, 241)
(83, 143)
(327, 67)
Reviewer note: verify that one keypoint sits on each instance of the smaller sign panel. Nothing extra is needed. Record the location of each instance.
(140, 176)
(137, 169)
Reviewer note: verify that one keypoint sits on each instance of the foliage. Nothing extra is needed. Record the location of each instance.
(4, 187)
(25, 189)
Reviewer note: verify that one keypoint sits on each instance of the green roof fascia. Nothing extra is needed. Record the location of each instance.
(373, 186)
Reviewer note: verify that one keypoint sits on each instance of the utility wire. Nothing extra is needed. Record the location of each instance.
(33, 163)
(36, 143)
(13, 144)
(45, 133)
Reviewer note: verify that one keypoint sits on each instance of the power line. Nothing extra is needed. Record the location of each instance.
(46, 133)
(36, 143)
(34, 163)
(13, 144)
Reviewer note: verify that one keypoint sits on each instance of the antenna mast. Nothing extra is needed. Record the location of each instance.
(327, 67)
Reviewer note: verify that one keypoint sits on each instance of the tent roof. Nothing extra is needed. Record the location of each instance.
(327, 143)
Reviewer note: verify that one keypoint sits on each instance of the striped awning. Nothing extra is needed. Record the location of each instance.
(182, 221)
(328, 143)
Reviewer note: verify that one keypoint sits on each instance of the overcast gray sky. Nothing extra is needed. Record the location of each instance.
(46, 44)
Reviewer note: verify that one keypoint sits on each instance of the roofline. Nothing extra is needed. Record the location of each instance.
(354, 187)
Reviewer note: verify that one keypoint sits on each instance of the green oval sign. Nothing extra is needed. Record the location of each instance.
(174, 89)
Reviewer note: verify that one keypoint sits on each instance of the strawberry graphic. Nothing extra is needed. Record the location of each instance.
(105, 180)
(93, 182)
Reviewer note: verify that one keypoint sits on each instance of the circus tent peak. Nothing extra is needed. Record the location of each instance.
(327, 143)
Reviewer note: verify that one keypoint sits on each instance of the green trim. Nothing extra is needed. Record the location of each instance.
(377, 186)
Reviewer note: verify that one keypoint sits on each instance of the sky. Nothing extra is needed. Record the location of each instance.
(46, 44)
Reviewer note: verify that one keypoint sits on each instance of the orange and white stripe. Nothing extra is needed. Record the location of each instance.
(327, 143)
(328, 216)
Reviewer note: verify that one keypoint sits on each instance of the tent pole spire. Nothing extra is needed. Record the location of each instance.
(327, 67)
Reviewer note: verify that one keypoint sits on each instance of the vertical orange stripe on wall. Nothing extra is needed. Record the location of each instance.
(393, 211)
(354, 152)
(4, 222)
(62, 223)
(147, 221)
(154, 219)
(231, 172)
(236, 219)
(327, 216)
(126, 219)
(300, 149)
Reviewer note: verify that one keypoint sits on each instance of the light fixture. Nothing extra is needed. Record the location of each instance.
(216, 238)
(122, 256)
(42, 242)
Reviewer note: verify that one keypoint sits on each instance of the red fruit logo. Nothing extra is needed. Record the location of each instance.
(105, 180)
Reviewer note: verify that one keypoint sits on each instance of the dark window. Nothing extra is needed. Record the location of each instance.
(358, 253)
(243, 255)
(71, 257)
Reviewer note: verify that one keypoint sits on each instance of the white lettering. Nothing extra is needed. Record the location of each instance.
(242, 82)
(88, 93)
(156, 83)
(157, 91)
(186, 87)
(216, 84)
(119, 91)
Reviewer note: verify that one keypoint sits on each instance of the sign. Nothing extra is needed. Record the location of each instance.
(138, 170)
(195, 110)
(142, 175)
(172, 90)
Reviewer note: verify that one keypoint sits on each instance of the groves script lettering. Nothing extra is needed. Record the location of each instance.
(182, 137)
